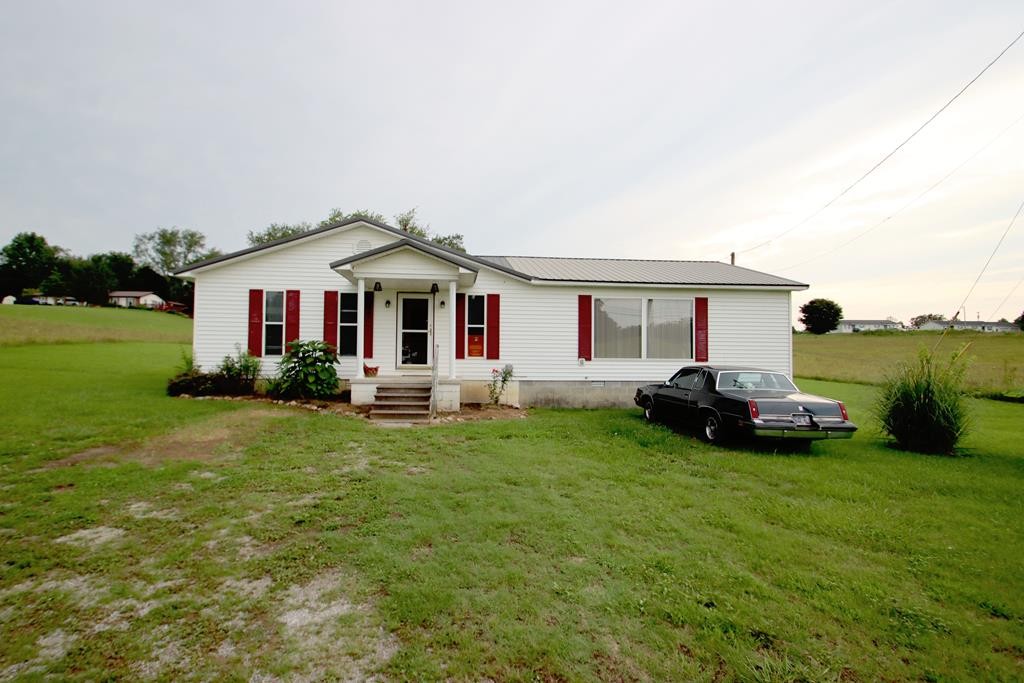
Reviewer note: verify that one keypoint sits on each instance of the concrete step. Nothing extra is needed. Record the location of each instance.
(402, 394)
(402, 403)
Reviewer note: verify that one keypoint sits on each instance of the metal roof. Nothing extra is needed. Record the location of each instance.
(461, 262)
(130, 293)
(637, 271)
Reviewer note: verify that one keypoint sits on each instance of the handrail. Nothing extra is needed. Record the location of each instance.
(433, 384)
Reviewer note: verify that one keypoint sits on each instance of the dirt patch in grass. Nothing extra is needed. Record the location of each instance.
(92, 537)
(475, 412)
(200, 441)
(333, 637)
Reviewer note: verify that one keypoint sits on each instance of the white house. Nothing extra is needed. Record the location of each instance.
(135, 299)
(576, 331)
(846, 325)
(976, 325)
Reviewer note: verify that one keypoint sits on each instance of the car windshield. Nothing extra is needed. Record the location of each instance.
(753, 379)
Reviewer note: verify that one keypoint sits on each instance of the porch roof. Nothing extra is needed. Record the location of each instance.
(386, 265)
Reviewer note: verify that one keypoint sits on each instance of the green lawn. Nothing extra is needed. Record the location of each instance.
(997, 360)
(21, 325)
(149, 537)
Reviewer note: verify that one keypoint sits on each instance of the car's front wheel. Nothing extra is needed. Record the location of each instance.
(712, 428)
(649, 410)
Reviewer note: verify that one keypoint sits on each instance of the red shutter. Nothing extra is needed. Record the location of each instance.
(700, 328)
(585, 332)
(331, 318)
(368, 325)
(460, 326)
(256, 322)
(493, 326)
(291, 316)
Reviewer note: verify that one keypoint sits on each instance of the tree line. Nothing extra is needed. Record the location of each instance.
(30, 265)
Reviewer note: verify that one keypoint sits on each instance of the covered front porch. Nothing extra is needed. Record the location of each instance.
(401, 320)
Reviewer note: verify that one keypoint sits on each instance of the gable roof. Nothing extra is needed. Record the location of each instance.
(638, 271)
(461, 262)
(433, 247)
(544, 268)
(130, 293)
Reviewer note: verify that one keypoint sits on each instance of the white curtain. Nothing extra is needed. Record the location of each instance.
(617, 328)
(669, 328)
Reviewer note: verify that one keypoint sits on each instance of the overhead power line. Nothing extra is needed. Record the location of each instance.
(908, 204)
(983, 269)
(890, 154)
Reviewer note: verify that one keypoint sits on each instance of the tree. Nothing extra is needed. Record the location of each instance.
(167, 249)
(1019, 322)
(405, 221)
(25, 262)
(819, 316)
(919, 320)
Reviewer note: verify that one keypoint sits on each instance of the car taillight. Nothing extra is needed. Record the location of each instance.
(842, 409)
(754, 412)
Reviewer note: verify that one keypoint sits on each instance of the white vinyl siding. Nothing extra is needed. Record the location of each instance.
(538, 322)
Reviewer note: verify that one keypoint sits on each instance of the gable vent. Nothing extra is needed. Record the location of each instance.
(361, 246)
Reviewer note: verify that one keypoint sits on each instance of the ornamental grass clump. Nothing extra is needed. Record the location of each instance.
(921, 404)
(307, 370)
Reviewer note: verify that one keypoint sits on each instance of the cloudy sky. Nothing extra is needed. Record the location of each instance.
(662, 130)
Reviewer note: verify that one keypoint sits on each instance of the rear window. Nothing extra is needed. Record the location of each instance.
(752, 379)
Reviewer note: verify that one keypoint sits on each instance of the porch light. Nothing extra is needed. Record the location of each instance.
(434, 289)
(387, 304)
(377, 287)
(442, 303)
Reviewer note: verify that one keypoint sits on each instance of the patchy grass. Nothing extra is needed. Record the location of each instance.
(235, 541)
(20, 325)
(997, 360)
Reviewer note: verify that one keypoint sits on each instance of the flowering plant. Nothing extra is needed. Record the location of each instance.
(499, 379)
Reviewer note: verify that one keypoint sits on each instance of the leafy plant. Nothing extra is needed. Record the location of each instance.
(499, 380)
(921, 404)
(307, 371)
(238, 374)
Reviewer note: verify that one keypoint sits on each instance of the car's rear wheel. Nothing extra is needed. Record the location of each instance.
(712, 428)
(649, 410)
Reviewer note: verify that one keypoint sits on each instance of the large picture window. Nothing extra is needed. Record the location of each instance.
(476, 325)
(617, 328)
(670, 328)
(348, 323)
(273, 324)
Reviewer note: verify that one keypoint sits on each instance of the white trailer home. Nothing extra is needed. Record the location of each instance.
(577, 332)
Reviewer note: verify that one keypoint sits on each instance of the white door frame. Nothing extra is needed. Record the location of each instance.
(402, 297)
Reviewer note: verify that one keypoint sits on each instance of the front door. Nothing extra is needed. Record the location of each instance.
(415, 324)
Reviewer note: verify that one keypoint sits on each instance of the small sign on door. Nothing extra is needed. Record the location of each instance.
(476, 346)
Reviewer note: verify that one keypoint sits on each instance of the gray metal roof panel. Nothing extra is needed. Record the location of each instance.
(638, 271)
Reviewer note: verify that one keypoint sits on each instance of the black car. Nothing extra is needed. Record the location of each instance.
(727, 401)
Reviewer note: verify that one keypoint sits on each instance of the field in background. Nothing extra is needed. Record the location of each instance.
(150, 537)
(70, 324)
(997, 364)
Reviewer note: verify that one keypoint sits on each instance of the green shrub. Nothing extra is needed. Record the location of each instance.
(237, 375)
(194, 383)
(921, 404)
(307, 371)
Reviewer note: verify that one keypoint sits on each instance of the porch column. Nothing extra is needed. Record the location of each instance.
(451, 330)
(360, 313)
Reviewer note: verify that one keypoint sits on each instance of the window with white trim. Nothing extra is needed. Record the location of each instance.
(655, 328)
(348, 323)
(476, 325)
(617, 328)
(273, 323)
(670, 328)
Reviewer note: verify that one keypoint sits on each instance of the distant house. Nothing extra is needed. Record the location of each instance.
(867, 325)
(976, 325)
(133, 299)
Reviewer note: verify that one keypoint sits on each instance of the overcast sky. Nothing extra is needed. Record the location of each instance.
(662, 130)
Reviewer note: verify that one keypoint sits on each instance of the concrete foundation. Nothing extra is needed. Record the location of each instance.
(578, 394)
